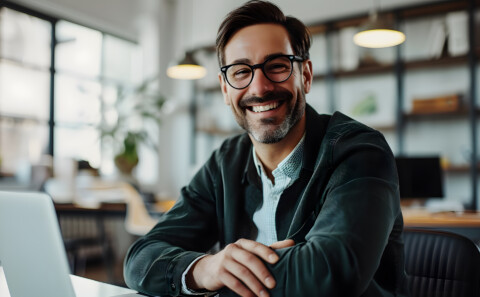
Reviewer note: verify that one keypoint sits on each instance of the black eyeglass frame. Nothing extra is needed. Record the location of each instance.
(292, 58)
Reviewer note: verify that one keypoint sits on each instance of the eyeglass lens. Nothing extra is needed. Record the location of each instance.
(277, 70)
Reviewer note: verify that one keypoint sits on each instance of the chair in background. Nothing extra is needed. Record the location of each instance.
(441, 264)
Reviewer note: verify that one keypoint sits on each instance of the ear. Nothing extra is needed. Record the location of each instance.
(307, 75)
(223, 86)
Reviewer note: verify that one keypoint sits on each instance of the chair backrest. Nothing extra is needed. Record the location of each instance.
(441, 264)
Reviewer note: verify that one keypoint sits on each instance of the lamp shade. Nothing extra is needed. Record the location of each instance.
(378, 33)
(187, 68)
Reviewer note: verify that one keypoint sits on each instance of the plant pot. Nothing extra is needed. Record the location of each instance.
(126, 163)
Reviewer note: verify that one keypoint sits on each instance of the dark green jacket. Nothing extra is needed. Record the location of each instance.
(343, 214)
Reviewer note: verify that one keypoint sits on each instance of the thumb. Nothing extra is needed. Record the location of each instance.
(282, 244)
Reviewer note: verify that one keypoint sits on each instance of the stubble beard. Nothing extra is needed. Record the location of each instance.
(268, 131)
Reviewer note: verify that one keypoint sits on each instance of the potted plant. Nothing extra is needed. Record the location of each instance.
(138, 114)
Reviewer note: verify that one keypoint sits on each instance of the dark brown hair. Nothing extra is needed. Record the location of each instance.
(262, 12)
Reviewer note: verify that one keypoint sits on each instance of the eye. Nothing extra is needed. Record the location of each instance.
(277, 67)
(239, 72)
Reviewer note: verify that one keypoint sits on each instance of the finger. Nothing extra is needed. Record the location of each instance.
(261, 250)
(245, 275)
(235, 285)
(254, 265)
(282, 244)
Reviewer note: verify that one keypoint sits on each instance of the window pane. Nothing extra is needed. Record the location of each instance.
(121, 60)
(80, 143)
(24, 92)
(24, 38)
(22, 142)
(76, 100)
(78, 50)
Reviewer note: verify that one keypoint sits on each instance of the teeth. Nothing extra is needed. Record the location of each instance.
(265, 107)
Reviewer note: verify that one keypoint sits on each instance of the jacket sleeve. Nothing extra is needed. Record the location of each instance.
(155, 262)
(343, 249)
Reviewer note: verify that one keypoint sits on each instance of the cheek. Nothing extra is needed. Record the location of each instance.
(233, 97)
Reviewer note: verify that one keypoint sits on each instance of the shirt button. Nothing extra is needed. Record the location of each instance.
(172, 286)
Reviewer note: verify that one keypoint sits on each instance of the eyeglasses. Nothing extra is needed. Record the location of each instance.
(277, 69)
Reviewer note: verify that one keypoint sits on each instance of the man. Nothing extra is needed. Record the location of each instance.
(301, 205)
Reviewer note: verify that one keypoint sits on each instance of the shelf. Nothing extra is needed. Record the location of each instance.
(372, 69)
(463, 168)
(440, 115)
(212, 89)
(385, 128)
(433, 9)
(441, 62)
(220, 132)
(457, 168)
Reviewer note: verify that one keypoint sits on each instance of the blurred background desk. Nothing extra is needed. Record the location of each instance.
(99, 220)
(466, 223)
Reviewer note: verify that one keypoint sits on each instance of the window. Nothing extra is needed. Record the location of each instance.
(24, 89)
(56, 107)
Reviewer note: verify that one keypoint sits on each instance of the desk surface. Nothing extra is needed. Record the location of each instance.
(83, 287)
(423, 218)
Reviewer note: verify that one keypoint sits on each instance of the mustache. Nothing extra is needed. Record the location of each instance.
(272, 95)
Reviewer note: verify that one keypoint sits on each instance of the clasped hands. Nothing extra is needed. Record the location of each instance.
(239, 267)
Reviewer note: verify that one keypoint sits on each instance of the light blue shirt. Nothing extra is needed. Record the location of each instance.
(286, 173)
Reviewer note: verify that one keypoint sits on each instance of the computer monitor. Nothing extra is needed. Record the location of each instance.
(420, 177)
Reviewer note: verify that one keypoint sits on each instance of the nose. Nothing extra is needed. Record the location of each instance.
(260, 84)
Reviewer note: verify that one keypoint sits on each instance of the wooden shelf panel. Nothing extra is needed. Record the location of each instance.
(385, 128)
(219, 131)
(433, 9)
(211, 89)
(462, 168)
(374, 69)
(440, 115)
(441, 62)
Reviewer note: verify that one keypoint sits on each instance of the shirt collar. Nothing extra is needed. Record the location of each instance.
(290, 166)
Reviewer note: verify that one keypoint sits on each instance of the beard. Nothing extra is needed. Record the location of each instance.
(270, 130)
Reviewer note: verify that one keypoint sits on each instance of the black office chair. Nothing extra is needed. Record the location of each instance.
(441, 264)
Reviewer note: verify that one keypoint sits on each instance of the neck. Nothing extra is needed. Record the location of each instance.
(271, 154)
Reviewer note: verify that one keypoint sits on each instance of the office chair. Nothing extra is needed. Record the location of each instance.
(441, 264)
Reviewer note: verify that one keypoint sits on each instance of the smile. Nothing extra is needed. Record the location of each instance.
(263, 108)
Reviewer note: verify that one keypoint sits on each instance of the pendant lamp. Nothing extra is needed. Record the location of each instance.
(378, 33)
(187, 68)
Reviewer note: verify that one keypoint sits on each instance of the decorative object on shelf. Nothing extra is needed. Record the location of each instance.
(349, 53)
(365, 107)
(439, 104)
(138, 115)
(378, 32)
(457, 27)
(187, 68)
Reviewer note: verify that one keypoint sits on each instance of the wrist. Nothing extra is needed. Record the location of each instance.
(194, 276)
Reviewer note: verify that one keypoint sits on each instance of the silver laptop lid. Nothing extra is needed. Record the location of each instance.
(31, 247)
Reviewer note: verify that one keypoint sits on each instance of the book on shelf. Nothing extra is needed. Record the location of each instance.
(438, 104)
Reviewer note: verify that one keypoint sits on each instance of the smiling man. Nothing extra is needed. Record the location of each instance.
(301, 205)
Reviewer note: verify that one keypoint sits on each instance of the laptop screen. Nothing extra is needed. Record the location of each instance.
(31, 250)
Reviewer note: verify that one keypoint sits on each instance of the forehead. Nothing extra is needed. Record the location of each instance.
(254, 43)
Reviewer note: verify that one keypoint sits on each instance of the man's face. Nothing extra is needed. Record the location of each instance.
(266, 110)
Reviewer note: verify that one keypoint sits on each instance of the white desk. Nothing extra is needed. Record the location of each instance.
(83, 287)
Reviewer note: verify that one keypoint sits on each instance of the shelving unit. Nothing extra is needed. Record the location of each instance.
(397, 70)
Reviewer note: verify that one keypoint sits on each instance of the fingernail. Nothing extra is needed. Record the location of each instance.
(270, 282)
(273, 258)
(263, 293)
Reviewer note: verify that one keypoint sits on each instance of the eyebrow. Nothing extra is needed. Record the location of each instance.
(248, 61)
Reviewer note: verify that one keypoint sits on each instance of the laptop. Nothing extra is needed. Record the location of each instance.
(32, 254)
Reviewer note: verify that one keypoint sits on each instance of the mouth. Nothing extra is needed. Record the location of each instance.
(264, 108)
